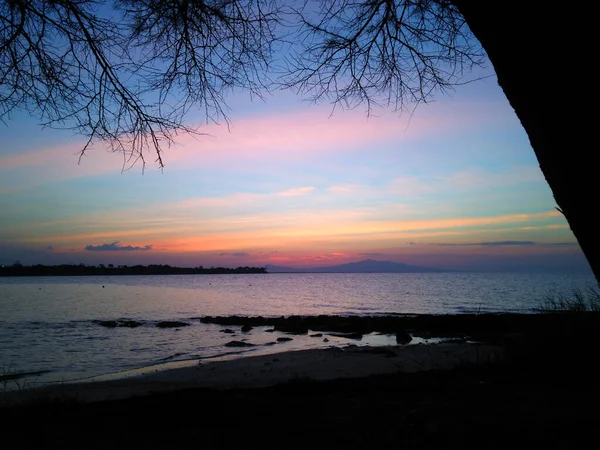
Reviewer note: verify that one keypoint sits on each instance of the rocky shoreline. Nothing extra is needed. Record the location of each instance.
(542, 392)
(489, 327)
(483, 327)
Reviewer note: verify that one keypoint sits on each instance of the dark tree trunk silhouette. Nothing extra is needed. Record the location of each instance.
(539, 55)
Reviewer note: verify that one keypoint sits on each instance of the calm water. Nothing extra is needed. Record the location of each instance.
(47, 323)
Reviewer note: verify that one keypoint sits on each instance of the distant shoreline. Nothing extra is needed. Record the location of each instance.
(83, 270)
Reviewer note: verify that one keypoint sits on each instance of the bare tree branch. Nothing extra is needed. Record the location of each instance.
(192, 52)
(380, 51)
(128, 72)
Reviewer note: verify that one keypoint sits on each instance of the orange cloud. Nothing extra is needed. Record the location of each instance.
(347, 230)
(60, 163)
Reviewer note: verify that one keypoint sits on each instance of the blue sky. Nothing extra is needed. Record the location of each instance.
(454, 185)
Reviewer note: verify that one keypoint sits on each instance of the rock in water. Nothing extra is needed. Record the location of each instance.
(171, 324)
(238, 344)
(403, 338)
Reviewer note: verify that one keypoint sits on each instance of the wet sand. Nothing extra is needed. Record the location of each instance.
(268, 370)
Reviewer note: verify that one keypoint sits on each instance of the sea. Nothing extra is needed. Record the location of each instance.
(51, 327)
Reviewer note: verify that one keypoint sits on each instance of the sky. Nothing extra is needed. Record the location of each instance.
(455, 185)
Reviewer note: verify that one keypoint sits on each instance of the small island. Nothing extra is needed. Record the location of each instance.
(19, 270)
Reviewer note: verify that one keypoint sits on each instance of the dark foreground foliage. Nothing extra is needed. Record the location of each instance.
(545, 395)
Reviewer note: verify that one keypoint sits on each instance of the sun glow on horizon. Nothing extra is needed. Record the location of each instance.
(298, 186)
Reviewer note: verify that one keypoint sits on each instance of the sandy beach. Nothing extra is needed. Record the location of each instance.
(537, 386)
(268, 370)
(469, 340)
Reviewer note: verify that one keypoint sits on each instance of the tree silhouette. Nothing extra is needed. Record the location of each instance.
(399, 53)
(127, 72)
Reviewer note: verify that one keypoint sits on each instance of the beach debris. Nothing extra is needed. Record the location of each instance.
(238, 344)
(227, 330)
(171, 324)
(246, 328)
(325, 340)
(284, 339)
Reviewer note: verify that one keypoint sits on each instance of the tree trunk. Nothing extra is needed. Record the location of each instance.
(543, 59)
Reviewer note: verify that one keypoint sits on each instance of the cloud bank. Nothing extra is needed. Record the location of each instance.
(116, 247)
(508, 243)
(491, 244)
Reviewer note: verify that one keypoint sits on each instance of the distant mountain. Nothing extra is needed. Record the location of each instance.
(365, 266)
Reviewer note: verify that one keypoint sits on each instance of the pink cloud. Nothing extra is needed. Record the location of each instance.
(258, 141)
(305, 133)
(63, 162)
(294, 192)
(322, 257)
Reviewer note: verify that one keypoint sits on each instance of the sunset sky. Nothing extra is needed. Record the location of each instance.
(456, 185)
